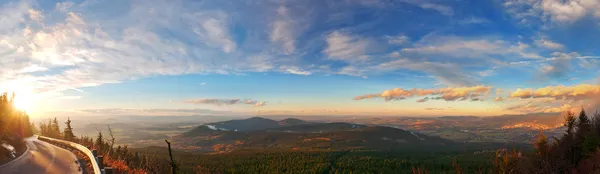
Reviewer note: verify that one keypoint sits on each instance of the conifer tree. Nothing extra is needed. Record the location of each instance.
(68, 133)
(99, 142)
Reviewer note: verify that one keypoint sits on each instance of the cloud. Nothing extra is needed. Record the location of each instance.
(395, 54)
(215, 31)
(549, 44)
(345, 47)
(399, 39)
(145, 112)
(423, 100)
(459, 47)
(434, 109)
(447, 73)
(445, 10)
(294, 70)
(203, 83)
(283, 31)
(75, 48)
(561, 11)
(446, 94)
(225, 102)
(559, 66)
(531, 107)
(557, 69)
(573, 93)
(64, 6)
(473, 20)
(498, 99)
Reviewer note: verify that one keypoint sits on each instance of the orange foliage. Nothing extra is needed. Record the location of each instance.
(119, 166)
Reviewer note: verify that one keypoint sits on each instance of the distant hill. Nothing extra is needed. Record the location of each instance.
(295, 134)
(245, 125)
(292, 121)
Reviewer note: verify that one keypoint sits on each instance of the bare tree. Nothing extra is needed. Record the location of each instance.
(111, 140)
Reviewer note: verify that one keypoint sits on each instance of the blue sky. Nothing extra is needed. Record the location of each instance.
(330, 57)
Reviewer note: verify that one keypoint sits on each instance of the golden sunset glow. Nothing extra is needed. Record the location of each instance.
(23, 94)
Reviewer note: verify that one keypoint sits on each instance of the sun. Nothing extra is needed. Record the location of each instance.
(23, 94)
(22, 103)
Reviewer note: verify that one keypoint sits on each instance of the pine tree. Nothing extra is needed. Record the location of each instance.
(596, 125)
(68, 133)
(99, 142)
(570, 124)
(583, 125)
(55, 129)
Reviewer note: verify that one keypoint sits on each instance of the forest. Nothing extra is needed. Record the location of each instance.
(14, 127)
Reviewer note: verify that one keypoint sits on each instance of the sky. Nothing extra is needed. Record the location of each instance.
(308, 57)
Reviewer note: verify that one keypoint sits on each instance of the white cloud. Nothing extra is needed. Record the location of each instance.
(474, 20)
(35, 15)
(460, 47)
(342, 46)
(399, 39)
(559, 66)
(64, 6)
(445, 10)
(548, 44)
(84, 50)
(446, 73)
(283, 31)
(224, 102)
(294, 70)
(216, 32)
(395, 54)
(33, 68)
(562, 11)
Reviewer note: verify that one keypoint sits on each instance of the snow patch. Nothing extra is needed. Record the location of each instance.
(213, 127)
(397, 140)
(416, 135)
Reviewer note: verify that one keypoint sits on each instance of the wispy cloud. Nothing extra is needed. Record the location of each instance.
(283, 31)
(445, 10)
(345, 47)
(474, 20)
(559, 65)
(399, 39)
(225, 102)
(469, 47)
(215, 31)
(548, 44)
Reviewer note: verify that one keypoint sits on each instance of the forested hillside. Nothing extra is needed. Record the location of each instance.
(14, 127)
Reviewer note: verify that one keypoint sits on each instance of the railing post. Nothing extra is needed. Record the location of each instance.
(108, 170)
(100, 162)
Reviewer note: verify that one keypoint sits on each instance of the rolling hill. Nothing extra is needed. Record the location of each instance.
(295, 134)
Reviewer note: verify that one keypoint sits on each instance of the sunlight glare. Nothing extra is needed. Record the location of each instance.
(23, 94)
